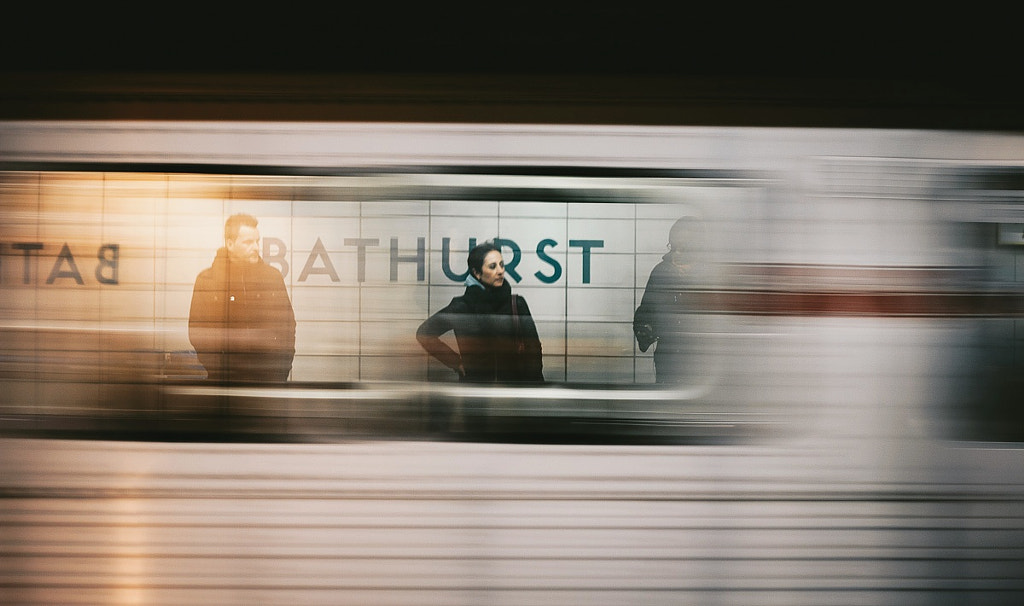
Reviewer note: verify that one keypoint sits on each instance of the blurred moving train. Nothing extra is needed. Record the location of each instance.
(860, 278)
(847, 428)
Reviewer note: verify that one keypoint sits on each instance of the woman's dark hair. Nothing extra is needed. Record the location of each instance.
(476, 257)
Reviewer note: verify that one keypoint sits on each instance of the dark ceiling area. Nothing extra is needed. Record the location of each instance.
(666, 65)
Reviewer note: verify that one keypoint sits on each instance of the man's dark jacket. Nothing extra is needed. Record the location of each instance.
(486, 335)
(241, 322)
(666, 317)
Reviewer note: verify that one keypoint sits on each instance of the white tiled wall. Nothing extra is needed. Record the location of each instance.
(354, 323)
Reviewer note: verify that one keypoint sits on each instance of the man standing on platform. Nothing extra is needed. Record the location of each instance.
(241, 321)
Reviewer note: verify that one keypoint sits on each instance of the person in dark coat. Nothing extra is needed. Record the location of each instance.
(241, 322)
(666, 317)
(495, 333)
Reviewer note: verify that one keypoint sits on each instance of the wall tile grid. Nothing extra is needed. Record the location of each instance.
(581, 267)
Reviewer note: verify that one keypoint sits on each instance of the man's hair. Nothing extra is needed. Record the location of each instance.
(681, 232)
(235, 222)
(475, 260)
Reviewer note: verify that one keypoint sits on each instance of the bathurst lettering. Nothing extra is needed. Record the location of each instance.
(319, 262)
(28, 262)
(33, 261)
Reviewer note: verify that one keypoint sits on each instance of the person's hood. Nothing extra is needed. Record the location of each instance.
(222, 261)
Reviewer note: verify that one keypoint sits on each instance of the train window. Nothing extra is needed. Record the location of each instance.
(724, 289)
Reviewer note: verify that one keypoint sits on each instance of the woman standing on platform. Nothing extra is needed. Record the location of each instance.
(496, 336)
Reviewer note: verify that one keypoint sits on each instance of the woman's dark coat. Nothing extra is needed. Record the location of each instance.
(486, 336)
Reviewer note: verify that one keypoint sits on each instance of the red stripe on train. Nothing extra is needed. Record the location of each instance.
(860, 303)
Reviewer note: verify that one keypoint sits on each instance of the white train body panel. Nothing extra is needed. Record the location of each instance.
(848, 430)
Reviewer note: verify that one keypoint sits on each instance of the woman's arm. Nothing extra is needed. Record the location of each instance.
(428, 334)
